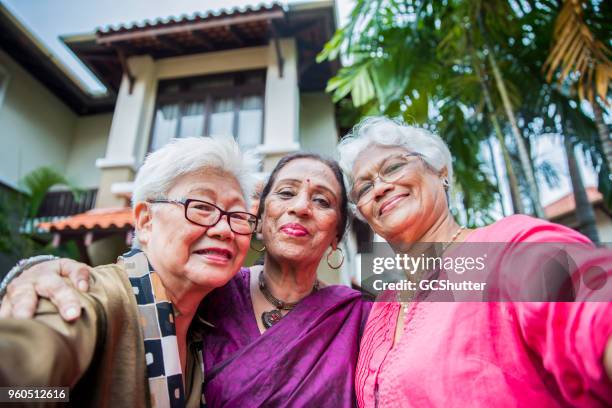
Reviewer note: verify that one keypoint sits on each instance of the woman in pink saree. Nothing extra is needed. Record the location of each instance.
(438, 354)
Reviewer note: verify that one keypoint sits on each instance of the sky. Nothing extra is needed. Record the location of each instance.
(50, 19)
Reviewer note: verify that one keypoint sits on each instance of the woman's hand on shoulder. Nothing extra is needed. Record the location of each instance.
(47, 280)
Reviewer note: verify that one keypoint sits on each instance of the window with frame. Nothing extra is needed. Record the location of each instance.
(229, 104)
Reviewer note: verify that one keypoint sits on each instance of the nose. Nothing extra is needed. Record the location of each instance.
(300, 205)
(381, 188)
(221, 230)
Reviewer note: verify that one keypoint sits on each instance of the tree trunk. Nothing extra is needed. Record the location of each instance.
(585, 216)
(496, 176)
(522, 150)
(604, 135)
(515, 194)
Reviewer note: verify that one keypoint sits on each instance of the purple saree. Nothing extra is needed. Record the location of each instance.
(308, 359)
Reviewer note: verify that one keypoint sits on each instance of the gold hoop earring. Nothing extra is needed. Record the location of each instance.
(262, 249)
(341, 260)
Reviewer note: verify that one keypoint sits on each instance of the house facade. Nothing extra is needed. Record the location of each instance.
(563, 211)
(250, 73)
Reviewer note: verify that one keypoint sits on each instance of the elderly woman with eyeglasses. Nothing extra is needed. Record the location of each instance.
(134, 344)
(424, 353)
(274, 335)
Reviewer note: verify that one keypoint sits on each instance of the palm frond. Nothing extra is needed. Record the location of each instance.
(39, 181)
(577, 53)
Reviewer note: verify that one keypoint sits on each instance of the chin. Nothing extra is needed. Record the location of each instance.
(213, 278)
(293, 254)
(212, 275)
(396, 222)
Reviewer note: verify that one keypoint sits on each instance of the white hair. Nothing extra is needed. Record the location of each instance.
(179, 157)
(383, 131)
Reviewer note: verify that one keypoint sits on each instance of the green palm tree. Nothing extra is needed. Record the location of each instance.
(558, 111)
(395, 69)
(579, 58)
(413, 58)
(39, 182)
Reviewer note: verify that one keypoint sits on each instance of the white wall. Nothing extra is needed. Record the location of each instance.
(604, 226)
(240, 59)
(88, 144)
(281, 122)
(36, 128)
(318, 131)
(131, 123)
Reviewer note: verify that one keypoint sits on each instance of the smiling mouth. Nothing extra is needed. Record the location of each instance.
(215, 253)
(389, 204)
(294, 230)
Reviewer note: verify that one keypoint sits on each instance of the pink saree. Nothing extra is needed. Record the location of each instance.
(508, 354)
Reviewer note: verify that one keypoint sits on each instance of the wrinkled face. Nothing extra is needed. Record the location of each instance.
(302, 212)
(193, 254)
(407, 207)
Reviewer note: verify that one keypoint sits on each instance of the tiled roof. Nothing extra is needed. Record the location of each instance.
(184, 18)
(96, 219)
(311, 24)
(567, 203)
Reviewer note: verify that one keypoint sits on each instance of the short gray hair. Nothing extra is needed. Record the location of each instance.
(179, 157)
(383, 131)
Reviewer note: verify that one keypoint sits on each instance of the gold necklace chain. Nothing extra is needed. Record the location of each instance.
(405, 305)
(453, 238)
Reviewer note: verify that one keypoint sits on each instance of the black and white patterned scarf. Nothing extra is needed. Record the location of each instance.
(158, 328)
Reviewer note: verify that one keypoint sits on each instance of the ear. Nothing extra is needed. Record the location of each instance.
(143, 221)
(334, 243)
(443, 172)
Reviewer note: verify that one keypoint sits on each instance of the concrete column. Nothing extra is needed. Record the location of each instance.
(130, 129)
(318, 130)
(282, 104)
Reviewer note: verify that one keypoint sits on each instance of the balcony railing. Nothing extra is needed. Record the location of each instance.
(60, 204)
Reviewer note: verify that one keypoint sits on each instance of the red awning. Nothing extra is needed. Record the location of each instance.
(567, 204)
(96, 219)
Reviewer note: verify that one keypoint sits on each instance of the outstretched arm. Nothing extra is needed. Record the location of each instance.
(46, 350)
(608, 358)
(47, 280)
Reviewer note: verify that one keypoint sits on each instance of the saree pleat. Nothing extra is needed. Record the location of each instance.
(307, 359)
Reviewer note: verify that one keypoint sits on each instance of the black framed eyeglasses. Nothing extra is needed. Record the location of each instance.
(390, 171)
(207, 214)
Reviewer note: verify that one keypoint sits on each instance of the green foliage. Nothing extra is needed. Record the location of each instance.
(37, 184)
(6, 232)
(14, 211)
(427, 61)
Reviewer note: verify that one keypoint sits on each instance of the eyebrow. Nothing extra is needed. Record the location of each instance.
(201, 190)
(208, 191)
(378, 166)
(321, 186)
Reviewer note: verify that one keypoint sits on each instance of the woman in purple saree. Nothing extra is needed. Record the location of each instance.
(307, 357)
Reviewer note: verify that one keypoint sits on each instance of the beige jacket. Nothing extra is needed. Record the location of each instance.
(100, 356)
